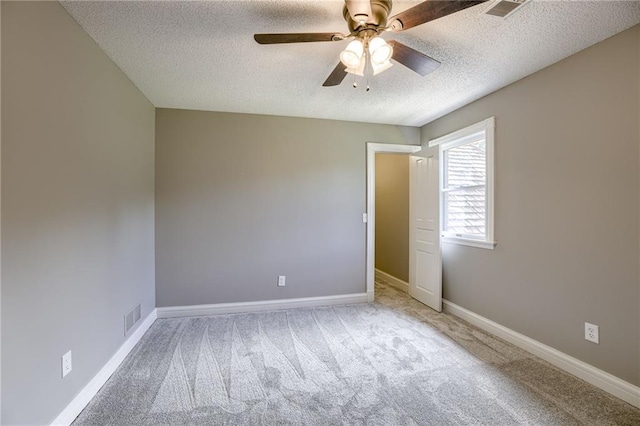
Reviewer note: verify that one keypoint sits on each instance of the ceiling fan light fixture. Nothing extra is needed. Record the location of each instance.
(358, 69)
(377, 69)
(352, 56)
(380, 51)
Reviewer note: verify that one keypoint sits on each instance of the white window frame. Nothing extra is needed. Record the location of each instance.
(458, 138)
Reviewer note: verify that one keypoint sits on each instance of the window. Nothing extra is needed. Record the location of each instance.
(466, 185)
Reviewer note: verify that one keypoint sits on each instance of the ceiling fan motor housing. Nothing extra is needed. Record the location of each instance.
(380, 11)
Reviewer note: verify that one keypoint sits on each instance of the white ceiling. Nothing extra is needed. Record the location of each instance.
(201, 54)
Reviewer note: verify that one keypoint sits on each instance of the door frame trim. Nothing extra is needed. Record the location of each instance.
(374, 148)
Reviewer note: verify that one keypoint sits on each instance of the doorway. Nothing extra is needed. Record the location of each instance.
(392, 220)
(425, 262)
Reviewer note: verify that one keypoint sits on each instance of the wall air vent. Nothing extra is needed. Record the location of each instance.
(131, 318)
(504, 8)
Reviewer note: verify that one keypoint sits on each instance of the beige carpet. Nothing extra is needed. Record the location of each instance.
(394, 362)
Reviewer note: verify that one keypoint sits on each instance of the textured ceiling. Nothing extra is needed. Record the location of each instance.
(201, 54)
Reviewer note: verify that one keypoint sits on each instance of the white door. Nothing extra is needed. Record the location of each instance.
(425, 259)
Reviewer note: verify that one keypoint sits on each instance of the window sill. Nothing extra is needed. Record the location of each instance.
(489, 245)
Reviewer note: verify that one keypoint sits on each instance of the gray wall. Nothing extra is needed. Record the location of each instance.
(392, 215)
(241, 199)
(0, 224)
(566, 209)
(77, 208)
(638, 122)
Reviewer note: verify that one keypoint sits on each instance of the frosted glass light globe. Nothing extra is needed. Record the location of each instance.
(352, 55)
(380, 51)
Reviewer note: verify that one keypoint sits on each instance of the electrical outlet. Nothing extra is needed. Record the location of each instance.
(66, 364)
(591, 333)
(281, 280)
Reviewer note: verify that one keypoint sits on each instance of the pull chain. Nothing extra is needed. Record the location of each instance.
(367, 68)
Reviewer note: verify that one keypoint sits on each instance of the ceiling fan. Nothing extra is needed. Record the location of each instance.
(368, 53)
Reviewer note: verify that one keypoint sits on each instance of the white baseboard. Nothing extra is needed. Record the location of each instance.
(395, 282)
(75, 407)
(267, 305)
(599, 378)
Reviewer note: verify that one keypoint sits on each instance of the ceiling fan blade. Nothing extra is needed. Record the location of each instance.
(337, 75)
(296, 37)
(412, 59)
(428, 11)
